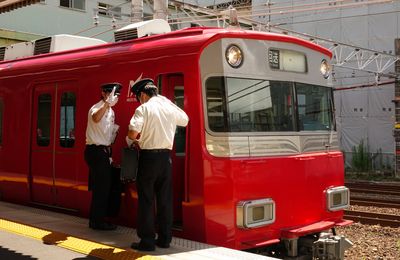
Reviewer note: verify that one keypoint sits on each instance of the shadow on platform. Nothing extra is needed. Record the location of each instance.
(5, 253)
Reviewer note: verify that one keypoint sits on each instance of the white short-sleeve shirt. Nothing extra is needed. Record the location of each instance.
(156, 121)
(100, 133)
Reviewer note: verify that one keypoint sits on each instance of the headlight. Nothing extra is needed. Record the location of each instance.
(255, 213)
(337, 198)
(234, 56)
(325, 69)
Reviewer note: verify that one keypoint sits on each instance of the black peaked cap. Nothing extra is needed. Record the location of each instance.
(108, 87)
(138, 86)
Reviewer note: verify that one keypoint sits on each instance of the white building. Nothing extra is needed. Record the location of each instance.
(88, 18)
(363, 113)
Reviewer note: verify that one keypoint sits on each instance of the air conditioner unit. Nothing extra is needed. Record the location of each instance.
(63, 42)
(18, 50)
(60, 42)
(142, 29)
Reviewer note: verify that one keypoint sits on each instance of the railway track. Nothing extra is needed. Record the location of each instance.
(373, 187)
(385, 220)
(384, 195)
(374, 194)
(381, 203)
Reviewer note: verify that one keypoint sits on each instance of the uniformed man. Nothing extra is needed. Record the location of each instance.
(155, 120)
(100, 134)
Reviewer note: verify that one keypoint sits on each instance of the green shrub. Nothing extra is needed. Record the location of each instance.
(361, 160)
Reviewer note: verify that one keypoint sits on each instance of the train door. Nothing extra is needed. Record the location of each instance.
(172, 87)
(53, 149)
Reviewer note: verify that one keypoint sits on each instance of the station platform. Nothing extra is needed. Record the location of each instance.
(70, 232)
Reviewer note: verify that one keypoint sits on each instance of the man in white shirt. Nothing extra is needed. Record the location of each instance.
(100, 134)
(153, 127)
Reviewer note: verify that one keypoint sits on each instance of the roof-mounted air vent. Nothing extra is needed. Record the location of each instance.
(142, 29)
(42, 46)
(63, 42)
(2, 53)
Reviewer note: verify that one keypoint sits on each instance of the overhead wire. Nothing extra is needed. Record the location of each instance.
(327, 19)
(296, 8)
(216, 16)
(270, 5)
(274, 6)
(86, 29)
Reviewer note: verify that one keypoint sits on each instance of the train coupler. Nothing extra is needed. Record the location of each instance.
(330, 247)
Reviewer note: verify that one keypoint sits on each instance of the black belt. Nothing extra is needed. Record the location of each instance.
(98, 145)
(155, 150)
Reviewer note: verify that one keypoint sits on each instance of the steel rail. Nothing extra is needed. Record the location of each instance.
(374, 185)
(380, 203)
(375, 191)
(385, 220)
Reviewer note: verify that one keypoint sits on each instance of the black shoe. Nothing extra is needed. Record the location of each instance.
(162, 244)
(141, 247)
(102, 226)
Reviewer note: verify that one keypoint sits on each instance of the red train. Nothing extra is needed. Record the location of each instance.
(258, 165)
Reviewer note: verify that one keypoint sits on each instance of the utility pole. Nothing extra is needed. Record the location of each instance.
(269, 15)
(160, 9)
(136, 11)
(396, 131)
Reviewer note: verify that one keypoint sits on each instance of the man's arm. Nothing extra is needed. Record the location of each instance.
(131, 138)
(98, 115)
(181, 117)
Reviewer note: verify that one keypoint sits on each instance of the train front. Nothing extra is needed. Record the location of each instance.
(273, 171)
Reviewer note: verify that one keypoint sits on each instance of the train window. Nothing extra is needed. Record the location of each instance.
(249, 105)
(67, 119)
(43, 120)
(180, 133)
(314, 107)
(216, 107)
(1, 120)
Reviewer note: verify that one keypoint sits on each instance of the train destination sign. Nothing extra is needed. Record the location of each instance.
(287, 60)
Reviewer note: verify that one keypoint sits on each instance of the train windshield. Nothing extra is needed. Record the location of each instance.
(253, 105)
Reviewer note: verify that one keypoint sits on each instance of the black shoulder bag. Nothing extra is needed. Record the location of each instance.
(129, 164)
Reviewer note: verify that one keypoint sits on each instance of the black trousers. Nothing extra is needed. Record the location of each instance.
(97, 158)
(154, 181)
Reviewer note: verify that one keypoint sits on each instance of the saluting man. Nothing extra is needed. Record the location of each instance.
(155, 120)
(100, 134)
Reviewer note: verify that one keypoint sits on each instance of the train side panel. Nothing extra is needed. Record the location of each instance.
(14, 151)
(85, 74)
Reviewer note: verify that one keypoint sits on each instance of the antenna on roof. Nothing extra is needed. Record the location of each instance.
(232, 15)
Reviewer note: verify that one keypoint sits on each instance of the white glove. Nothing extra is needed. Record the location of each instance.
(112, 99)
(129, 141)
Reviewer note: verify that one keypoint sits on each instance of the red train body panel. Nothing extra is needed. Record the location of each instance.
(214, 170)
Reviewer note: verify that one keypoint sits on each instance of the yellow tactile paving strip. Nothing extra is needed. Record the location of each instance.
(73, 243)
